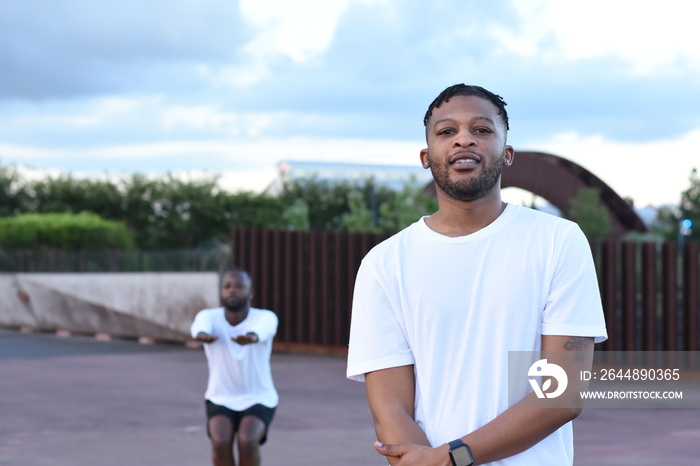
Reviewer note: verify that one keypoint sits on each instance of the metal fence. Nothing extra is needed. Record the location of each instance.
(649, 290)
(307, 278)
(650, 295)
(57, 260)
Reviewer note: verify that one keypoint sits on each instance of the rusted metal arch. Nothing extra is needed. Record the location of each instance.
(558, 180)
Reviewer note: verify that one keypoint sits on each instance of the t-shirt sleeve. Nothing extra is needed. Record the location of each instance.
(377, 333)
(201, 323)
(266, 326)
(573, 305)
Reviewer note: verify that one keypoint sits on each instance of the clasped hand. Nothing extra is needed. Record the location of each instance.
(410, 454)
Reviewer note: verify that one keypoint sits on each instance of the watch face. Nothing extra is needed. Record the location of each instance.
(461, 456)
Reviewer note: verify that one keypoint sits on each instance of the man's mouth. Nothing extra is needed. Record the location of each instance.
(465, 159)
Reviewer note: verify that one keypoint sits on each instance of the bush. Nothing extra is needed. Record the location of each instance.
(63, 231)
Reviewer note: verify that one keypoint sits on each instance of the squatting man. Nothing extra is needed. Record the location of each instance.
(240, 399)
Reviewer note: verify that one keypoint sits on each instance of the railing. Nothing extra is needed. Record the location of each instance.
(649, 290)
(57, 260)
(650, 295)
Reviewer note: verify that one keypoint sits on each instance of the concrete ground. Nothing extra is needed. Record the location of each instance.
(79, 401)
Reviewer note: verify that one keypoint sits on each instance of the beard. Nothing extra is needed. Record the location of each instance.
(235, 303)
(471, 189)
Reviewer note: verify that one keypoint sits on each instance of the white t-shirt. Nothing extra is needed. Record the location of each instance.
(239, 375)
(455, 307)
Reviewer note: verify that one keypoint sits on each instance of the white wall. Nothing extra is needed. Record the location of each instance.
(152, 305)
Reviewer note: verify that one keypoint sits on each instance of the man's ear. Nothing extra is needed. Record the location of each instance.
(424, 158)
(508, 156)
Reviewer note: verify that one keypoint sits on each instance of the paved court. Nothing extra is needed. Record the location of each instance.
(78, 401)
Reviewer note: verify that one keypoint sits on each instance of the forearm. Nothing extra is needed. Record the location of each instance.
(515, 430)
(391, 400)
(532, 419)
(399, 428)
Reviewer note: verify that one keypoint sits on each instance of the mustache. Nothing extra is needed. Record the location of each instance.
(236, 301)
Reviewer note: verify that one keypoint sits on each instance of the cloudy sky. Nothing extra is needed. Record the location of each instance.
(232, 87)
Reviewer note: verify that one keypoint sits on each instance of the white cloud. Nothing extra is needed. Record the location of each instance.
(299, 31)
(198, 117)
(81, 114)
(163, 102)
(245, 165)
(651, 173)
(281, 29)
(21, 153)
(648, 36)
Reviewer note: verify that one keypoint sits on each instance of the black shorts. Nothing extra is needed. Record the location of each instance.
(262, 412)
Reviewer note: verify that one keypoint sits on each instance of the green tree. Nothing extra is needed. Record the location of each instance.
(184, 213)
(668, 220)
(296, 216)
(358, 206)
(163, 213)
(359, 217)
(665, 225)
(139, 194)
(66, 193)
(405, 207)
(587, 210)
(690, 205)
(171, 212)
(14, 198)
(326, 201)
(254, 210)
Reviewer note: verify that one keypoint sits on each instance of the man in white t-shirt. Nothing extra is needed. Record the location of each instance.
(439, 306)
(240, 398)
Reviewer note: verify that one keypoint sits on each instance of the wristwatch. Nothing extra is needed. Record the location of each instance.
(460, 454)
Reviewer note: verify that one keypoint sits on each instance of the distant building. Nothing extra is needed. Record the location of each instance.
(392, 176)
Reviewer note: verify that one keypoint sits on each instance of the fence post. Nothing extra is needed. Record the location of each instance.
(608, 293)
(690, 295)
(670, 290)
(323, 306)
(649, 296)
(629, 291)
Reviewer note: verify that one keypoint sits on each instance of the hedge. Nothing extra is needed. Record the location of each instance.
(63, 231)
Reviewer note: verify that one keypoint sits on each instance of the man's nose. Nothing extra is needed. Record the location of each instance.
(464, 139)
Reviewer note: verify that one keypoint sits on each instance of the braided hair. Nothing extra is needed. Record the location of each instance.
(468, 91)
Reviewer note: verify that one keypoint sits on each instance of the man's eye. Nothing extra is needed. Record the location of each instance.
(482, 130)
(446, 131)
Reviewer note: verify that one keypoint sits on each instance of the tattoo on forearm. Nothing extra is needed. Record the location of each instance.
(578, 344)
